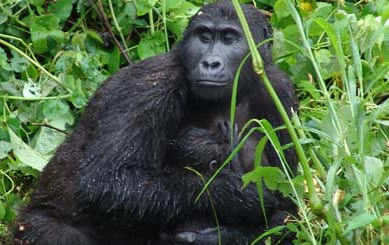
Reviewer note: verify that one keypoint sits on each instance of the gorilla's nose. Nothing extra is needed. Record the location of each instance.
(212, 64)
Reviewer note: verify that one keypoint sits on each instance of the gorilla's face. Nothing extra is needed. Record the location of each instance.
(211, 53)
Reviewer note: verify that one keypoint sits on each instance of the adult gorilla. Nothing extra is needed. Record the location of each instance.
(119, 178)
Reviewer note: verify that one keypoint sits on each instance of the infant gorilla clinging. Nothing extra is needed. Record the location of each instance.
(119, 178)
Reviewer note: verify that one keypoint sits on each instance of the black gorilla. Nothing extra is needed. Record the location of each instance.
(119, 178)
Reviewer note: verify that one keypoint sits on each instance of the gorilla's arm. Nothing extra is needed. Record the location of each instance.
(203, 149)
(160, 200)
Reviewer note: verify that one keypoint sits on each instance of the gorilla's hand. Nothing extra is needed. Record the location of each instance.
(206, 236)
(204, 149)
(203, 236)
(225, 130)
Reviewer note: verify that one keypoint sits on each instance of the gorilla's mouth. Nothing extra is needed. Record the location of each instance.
(212, 83)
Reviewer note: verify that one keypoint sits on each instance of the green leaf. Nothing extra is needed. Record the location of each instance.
(187, 9)
(272, 136)
(376, 76)
(144, 6)
(310, 88)
(4, 65)
(19, 64)
(352, 85)
(52, 109)
(31, 90)
(127, 17)
(26, 154)
(375, 33)
(78, 98)
(259, 149)
(281, 10)
(5, 147)
(272, 176)
(151, 45)
(30, 73)
(78, 40)
(45, 33)
(46, 140)
(327, 61)
(253, 176)
(172, 4)
(359, 221)
(95, 36)
(331, 177)
(274, 230)
(61, 8)
(383, 9)
(58, 113)
(114, 60)
(323, 10)
(383, 122)
(37, 3)
(2, 210)
(4, 133)
(374, 169)
(268, 3)
(356, 56)
(179, 17)
(3, 18)
(177, 26)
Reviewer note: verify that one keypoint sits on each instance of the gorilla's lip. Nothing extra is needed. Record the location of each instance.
(213, 83)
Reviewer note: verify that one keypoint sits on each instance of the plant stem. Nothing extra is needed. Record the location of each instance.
(315, 160)
(316, 205)
(35, 99)
(117, 24)
(151, 20)
(164, 24)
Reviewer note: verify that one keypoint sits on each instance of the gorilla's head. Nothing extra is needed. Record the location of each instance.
(213, 47)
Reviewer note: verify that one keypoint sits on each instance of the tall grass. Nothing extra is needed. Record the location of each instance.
(347, 146)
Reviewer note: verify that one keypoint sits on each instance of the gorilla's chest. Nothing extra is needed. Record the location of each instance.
(209, 117)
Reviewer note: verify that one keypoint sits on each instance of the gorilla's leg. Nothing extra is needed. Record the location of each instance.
(38, 228)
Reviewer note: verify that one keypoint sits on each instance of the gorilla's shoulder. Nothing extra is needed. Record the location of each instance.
(164, 72)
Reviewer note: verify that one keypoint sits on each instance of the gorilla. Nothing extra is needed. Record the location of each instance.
(120, 178)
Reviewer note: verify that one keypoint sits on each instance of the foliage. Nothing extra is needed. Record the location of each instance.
(337, 58)
(54, 54)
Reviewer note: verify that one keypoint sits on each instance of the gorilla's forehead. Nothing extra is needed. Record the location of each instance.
(222, 11)
(217, 26)
(214, 21)
(216, 17)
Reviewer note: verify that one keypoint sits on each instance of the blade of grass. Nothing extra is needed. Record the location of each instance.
(316, 205)
(163, 2)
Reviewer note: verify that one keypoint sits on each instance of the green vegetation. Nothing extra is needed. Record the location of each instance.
(54, 54)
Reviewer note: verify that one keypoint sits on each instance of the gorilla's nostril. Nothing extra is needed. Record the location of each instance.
(215, 65)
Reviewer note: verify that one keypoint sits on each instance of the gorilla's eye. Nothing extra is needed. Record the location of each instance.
(229, 37)
(205, 36)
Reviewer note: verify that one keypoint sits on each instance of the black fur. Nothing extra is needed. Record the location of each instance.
(119, 178)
